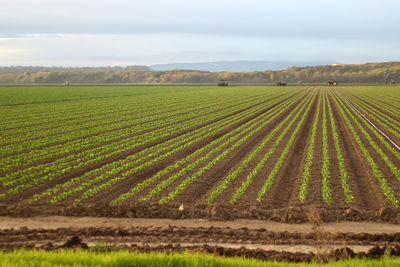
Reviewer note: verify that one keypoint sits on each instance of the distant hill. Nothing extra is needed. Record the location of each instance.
(237, 66)
(369, 73)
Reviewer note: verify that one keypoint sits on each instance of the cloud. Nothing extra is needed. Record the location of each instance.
(153, 31)
(114, 49)
(286, 18)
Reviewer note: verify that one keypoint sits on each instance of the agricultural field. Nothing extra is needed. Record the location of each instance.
(248, 150)
(290, 154)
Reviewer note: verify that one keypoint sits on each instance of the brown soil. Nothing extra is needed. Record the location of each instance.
(259, 239)
(129, 183)
(361, 174)
(280, 204)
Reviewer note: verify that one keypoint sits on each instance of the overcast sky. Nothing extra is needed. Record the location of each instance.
(118, 32)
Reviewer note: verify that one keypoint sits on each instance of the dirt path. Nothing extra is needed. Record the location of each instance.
(265, 240)
(53, 222)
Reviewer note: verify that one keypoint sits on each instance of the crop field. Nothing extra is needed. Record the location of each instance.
(201, 151)
(250, 158)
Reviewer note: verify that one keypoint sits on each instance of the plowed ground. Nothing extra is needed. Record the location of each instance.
(263, 240)
(280, 204)
(244, 229)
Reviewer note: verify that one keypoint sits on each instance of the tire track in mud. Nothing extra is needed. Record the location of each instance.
(257, 242)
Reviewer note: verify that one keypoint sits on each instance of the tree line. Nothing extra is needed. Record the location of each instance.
(352, 73)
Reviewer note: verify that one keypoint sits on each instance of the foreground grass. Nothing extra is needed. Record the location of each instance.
(125, 258)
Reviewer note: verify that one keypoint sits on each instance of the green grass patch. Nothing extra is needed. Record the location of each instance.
(126, 258)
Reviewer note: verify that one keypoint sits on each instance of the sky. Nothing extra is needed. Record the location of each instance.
(133, 32)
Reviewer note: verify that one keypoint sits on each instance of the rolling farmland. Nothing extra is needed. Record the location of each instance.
(201, 151)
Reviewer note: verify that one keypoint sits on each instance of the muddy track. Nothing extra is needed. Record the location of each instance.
(168, 234)
(251, 242)
(218, 212)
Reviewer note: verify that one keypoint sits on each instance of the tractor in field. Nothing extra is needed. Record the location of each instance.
(281, 83)
(331, 83)
(222, 82)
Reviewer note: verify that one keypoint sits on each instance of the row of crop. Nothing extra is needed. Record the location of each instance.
(305, 177)
(380, 110)
(88, 157)
(179, 189)
(122, 129)
(325, 172)
(393, 168)
(78, 116)
(377, 117)
(154, 151)
(39, 117)
(76, 161)
(384, 184)
(389, 107)
(390, 113)
(38, 113)
(87, 126)
(275, 170)
(383, 141)
(387, 97)
(131, 167)
(244, 132)
(113, 128)
(124, 135)
(54, 113)
(233, 175)
(160, 148)
(261, 164)
(96, 125)
(344, 175)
